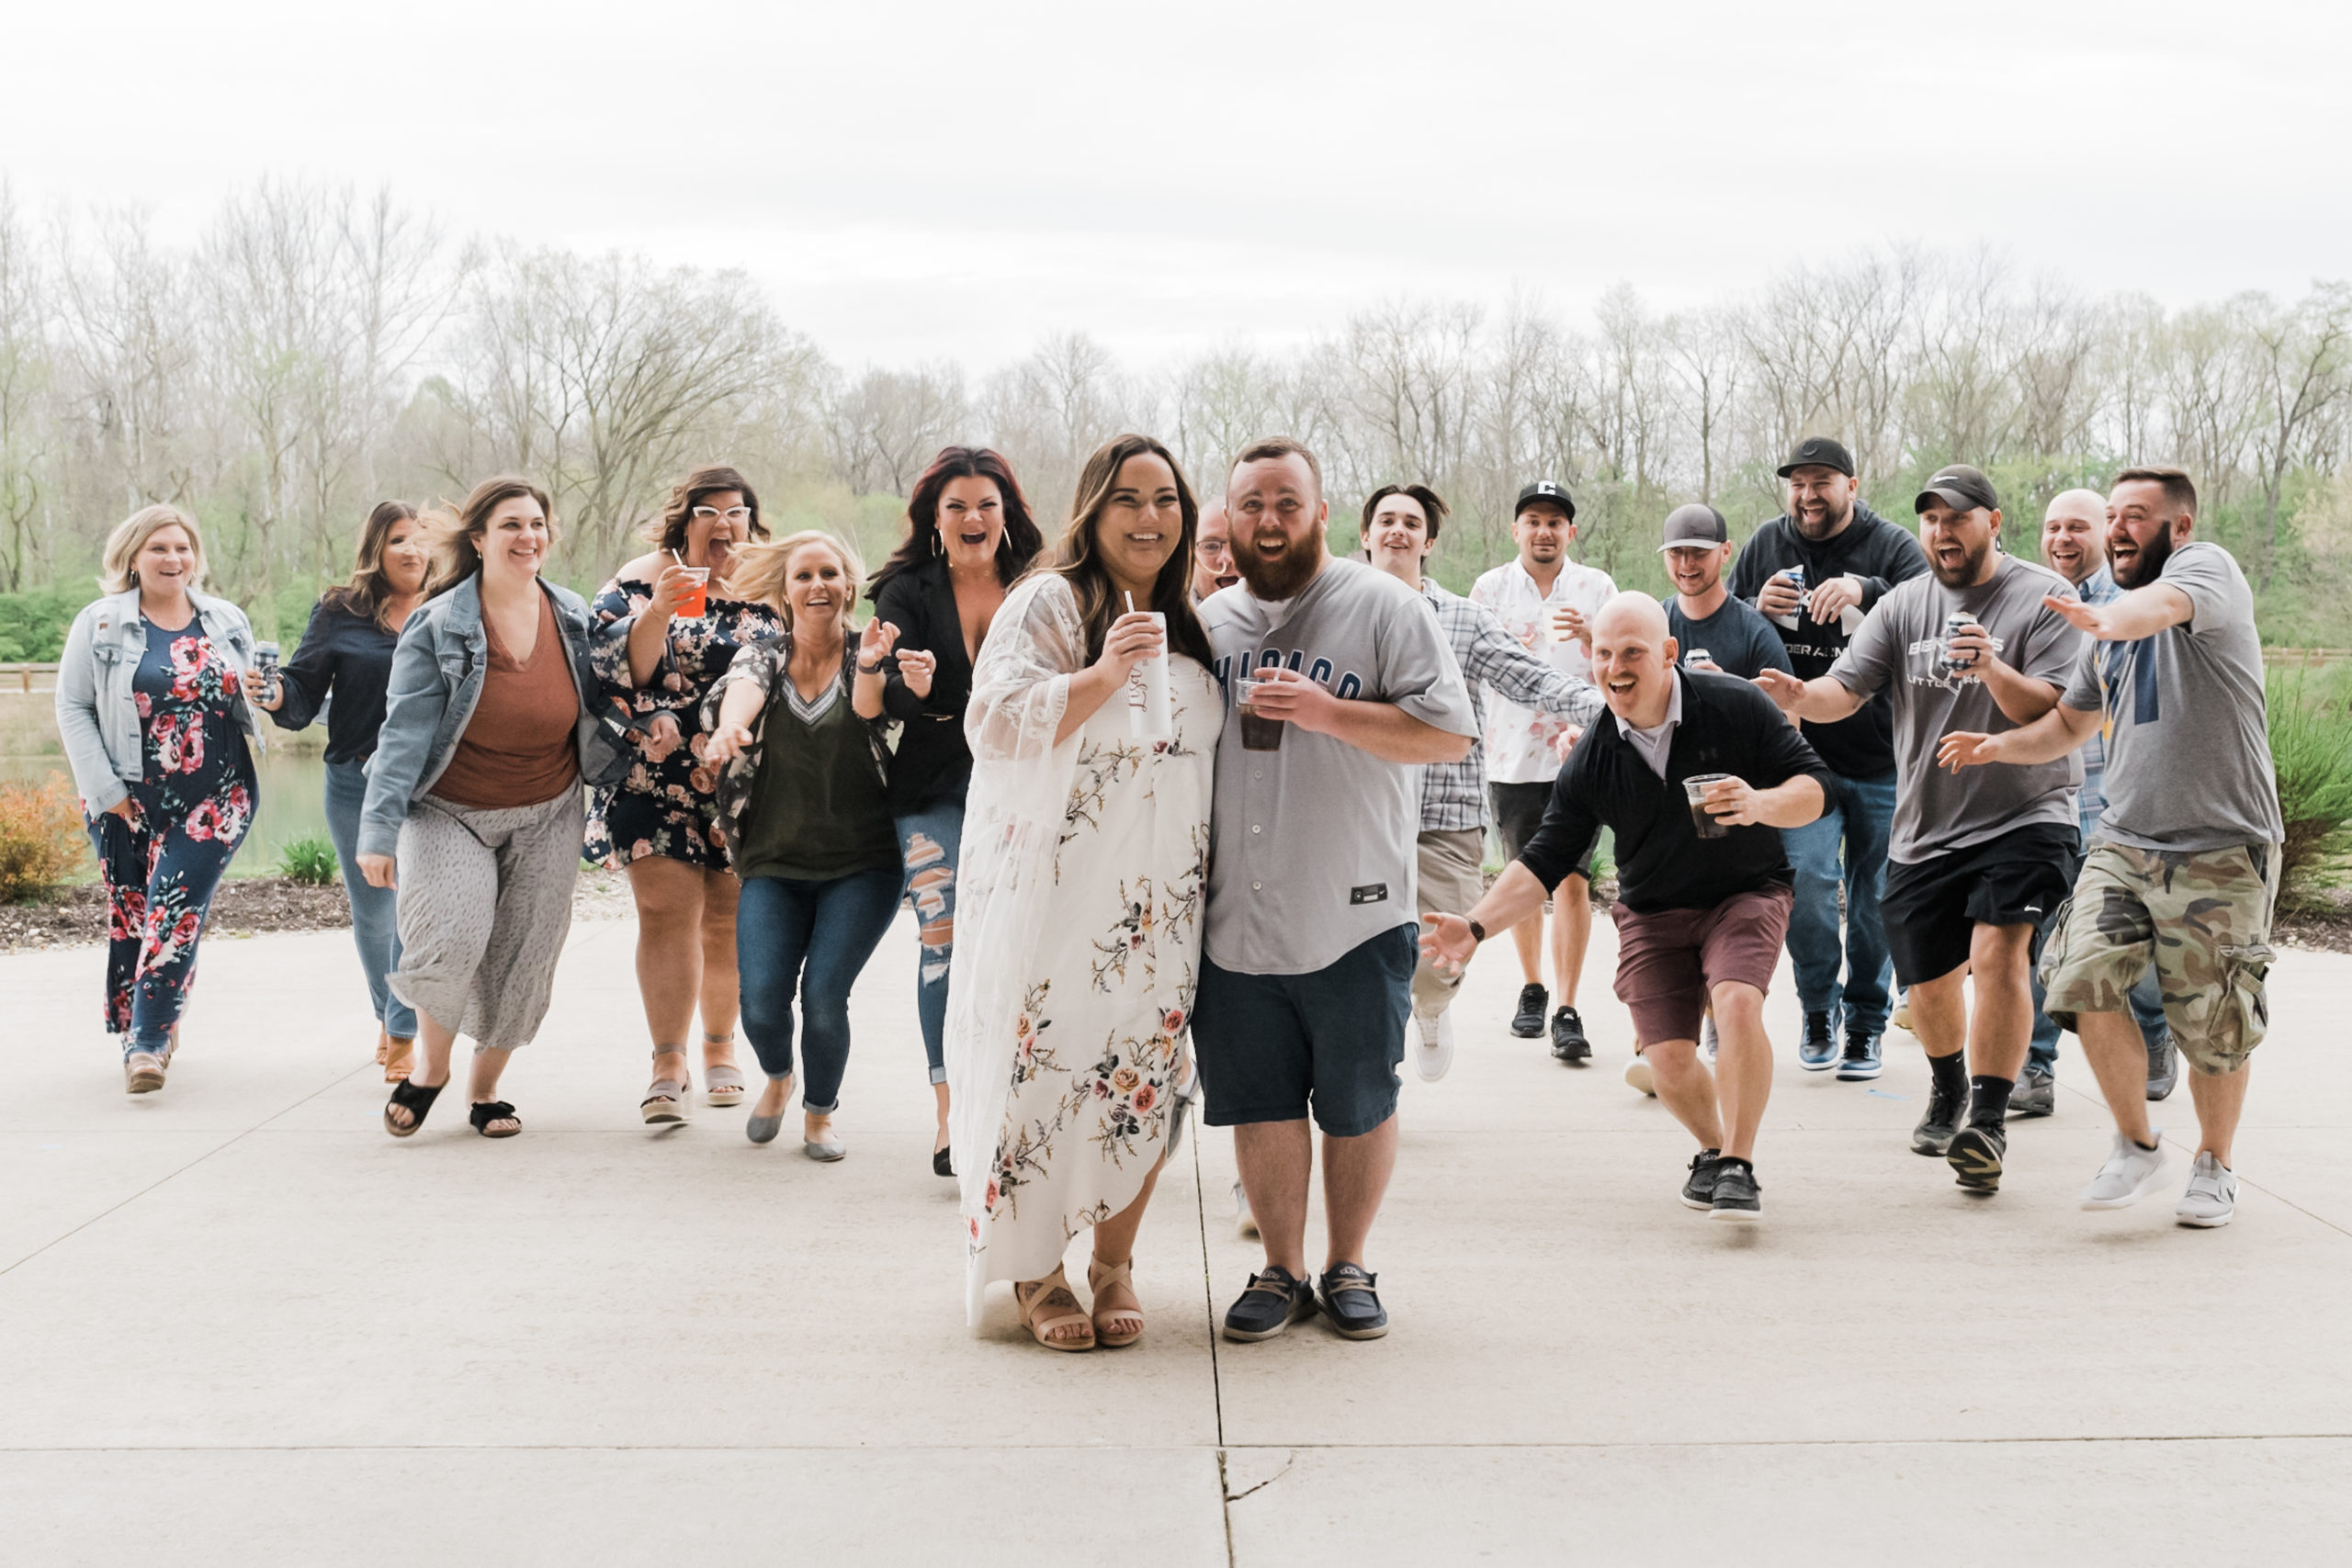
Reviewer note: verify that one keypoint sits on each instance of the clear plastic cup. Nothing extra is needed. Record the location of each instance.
(1708, 825)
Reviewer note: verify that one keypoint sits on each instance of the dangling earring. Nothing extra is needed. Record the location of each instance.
(938, 544)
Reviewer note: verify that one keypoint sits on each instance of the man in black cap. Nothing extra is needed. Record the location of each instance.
(1714, 630)
(1546, 601)
(1980, 863)
(1846, 557)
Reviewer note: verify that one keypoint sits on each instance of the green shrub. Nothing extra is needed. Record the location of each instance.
(42, 838)
(309, 860)
(2311, 743)
(33, 624)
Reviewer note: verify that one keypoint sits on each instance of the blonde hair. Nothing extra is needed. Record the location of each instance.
(116, 571)
(757, 572)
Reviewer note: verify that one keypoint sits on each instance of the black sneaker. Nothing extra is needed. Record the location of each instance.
(1699, 1193)
(1351, 1303)
(1736, 1196)
(1933, 1135)
(1273, 1301)
(2164, 1067)
(1568, 1043)
(2035, 1095)
(1818, 1052)
(1975, 1156)
(1528, 1021)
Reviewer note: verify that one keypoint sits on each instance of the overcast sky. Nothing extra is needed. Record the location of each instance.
(936, 180)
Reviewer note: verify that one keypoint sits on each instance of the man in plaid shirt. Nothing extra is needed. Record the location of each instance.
(1400, 526)
(2073, 544)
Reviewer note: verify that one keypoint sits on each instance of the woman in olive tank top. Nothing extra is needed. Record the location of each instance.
(803, 812)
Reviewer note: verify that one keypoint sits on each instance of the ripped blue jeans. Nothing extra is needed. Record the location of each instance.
(930, 843)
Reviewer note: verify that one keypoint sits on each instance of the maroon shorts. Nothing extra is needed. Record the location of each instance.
(1668, 962)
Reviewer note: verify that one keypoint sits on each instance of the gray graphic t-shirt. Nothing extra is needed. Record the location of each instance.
(1312, 845)
(1897, 646)
(2188, 728)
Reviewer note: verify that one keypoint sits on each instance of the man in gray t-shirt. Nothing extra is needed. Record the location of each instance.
(1306, 976)
(2184, 867)
(1975, 867)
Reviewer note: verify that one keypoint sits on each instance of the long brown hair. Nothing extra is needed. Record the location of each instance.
(1016, 547)
(1074, 558)
(461, 544)
(368, 593)
(667, 531)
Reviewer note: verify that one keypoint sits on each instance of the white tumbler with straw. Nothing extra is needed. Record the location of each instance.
(1149, 699)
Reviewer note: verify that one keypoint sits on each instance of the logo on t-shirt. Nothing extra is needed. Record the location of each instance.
(1370, 893)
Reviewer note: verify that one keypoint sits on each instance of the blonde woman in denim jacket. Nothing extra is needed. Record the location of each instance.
(151, 708)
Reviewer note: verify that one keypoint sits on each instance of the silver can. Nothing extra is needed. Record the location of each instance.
(1947, 663)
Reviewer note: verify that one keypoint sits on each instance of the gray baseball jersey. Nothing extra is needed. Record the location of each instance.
(1313, 844)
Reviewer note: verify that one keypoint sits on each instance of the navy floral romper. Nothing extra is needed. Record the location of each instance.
(189, 812)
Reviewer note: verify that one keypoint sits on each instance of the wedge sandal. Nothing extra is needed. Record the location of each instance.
(400, 1058)
(665, 1100)
(723, 1085)
(1035, 1305)
(142, 1073)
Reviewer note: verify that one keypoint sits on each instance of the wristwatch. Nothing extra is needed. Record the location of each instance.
(866, 669)
(1478, 931)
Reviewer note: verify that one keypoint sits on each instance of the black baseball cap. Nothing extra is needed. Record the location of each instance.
(1545, 489)
(1960, 487)
(1697, 524)
(1819, 452)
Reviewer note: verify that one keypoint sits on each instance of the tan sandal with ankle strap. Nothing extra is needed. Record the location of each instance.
(1041, 1328)
(1098, 1280)
(399, 1057)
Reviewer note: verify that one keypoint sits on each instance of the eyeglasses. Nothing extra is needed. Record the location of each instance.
(1213, 547)
(733, 514)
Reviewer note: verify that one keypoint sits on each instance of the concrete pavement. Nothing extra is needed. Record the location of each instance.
(243, 1325)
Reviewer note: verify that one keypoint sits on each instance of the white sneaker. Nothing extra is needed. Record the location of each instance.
(1901, 1018)
(1432, 1044)
(2212, 1196)
(1244, 1221)
(2130, 1174)
(1637, 1076)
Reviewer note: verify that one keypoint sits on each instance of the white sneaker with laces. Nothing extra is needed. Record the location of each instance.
(1244, 1222)
(1637, 1076)
(2212, 1196)
(2130, 1174)
(1432, 1044)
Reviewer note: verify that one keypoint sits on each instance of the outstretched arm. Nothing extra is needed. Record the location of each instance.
(2046, 740)
(1819, 701)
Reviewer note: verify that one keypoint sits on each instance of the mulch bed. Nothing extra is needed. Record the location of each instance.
(75, 915)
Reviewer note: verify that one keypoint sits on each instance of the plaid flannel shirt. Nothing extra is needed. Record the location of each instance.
(1453, 794)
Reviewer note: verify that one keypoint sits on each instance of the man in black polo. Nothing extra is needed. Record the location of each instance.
(1849, 557)
(1700, 920)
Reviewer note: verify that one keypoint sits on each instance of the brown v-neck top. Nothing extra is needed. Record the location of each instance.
(518, 748)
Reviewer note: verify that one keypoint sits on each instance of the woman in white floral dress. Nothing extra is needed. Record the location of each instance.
(1086, 858)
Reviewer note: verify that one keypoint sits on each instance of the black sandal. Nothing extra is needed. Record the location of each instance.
(417, 1099)
(485, 1111)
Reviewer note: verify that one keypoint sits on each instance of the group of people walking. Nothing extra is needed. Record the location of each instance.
(1191, 812)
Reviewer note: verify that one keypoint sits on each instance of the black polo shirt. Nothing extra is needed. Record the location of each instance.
(1728, 726)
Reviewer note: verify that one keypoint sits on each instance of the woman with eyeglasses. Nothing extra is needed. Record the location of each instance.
(667, 627)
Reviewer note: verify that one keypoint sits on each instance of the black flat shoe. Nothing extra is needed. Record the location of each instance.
(486, 1112)
(1273, 1301)
(416, 1099)
(1351, 1303)
(941, 1165)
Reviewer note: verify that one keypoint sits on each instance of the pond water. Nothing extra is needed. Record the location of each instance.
(293, 803)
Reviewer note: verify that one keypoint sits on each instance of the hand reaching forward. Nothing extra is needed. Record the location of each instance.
(1962, 749)
(1446, 942)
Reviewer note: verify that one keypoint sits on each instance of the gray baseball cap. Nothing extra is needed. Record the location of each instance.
(1697, 524)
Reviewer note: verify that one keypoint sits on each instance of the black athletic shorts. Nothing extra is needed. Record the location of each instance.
(1519, 811)
(1931, 908)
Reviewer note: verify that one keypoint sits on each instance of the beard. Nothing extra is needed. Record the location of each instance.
(1283, 576)
(2147, 566)
(1829, 524)
(1971, 565)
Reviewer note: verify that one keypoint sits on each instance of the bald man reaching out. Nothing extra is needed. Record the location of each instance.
(1701, 913)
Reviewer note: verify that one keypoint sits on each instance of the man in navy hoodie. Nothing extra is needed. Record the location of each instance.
(1849, 557)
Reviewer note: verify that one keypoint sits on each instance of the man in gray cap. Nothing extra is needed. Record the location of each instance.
(1714, 630)
(1845, 557)
(1978, 864)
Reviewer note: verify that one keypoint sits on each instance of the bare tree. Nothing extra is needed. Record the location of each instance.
(2302, 368)
(885, 427)
(26, 374)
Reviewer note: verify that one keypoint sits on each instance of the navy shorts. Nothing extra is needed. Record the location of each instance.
(1270, 1044)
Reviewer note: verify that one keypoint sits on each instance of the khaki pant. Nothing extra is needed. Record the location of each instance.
(1451, 875)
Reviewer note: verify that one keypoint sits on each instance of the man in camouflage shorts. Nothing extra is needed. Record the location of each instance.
(2184, 869)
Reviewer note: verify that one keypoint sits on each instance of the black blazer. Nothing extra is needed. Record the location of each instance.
(934, 763)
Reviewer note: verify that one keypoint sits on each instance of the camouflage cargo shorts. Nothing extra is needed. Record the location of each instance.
(2201, 917)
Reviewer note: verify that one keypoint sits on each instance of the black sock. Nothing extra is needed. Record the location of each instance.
(1988, 1103)
(1951, 1073)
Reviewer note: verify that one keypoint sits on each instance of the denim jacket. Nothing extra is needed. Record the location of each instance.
(97, 713)
(437, 672)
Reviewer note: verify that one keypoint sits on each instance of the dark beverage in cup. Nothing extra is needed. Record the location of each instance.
(1705, 822)
(1258, 734)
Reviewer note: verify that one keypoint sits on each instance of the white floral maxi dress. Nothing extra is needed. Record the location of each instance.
(1090, 919)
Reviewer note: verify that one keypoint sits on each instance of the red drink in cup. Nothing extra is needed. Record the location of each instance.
(694, 598)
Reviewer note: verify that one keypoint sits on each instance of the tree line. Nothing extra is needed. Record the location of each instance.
(316, 348)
